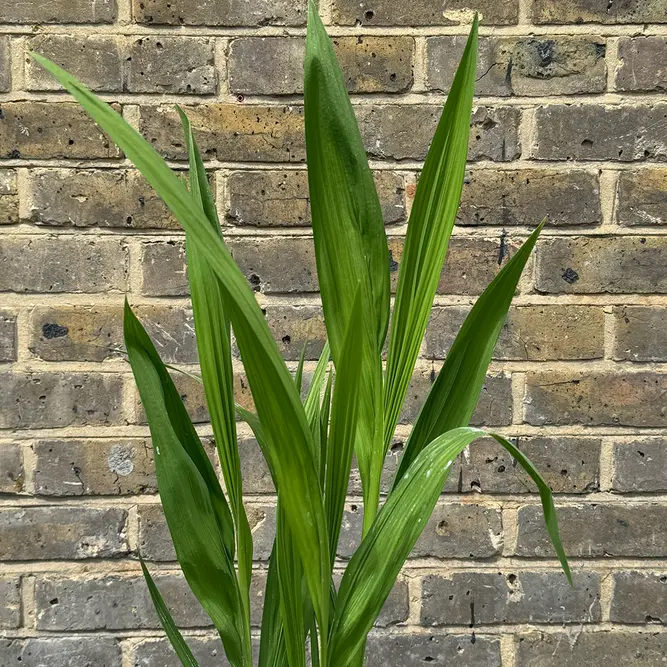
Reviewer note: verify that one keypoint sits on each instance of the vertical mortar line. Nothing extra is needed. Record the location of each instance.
(414, 599)
(609, 333)
(507, 650)
(527, 132)
(133, 529)
(613, 62)
(28, 602)
(525, 14)
(518, 380)
(29, 461)
(129, 396)
(23, 190)
(222, 195)
(221, 47)
(607, 464)
(132, 114)
(17, 55)
(127, 646)
(608, 192)
(326, 8)
(510, 520)
(419, 68)
(134, 265)
(606, 594)
(23, 317)
(124, 16)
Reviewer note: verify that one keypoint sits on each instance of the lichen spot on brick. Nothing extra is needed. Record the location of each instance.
(120, 460)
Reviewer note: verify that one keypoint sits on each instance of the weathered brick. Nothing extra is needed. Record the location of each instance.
(525, 66)
(640, 198)
(164, 271)
(9, 198)
(94, 467)
(567, 464)
(403, 650)
(526, 196)
(208, 652)
(274, 65)
(56, 399)
(230, 132)
(51, 130)
(7, 336)
(59, 11)
(254, 470)
(174, 65)
(423, 12)
(536, 333)
(95, 60)
(640, 466)
(220, 12)
(62, 264)
(592, 11)
(10, 593)
(11, 468)
(91, 333)
(296, 326)
(405, 131)
(622, 648)
(493, 408)
(596, 264)
(640, 333)
(640, 66)
(56, 533)
(5, 68)
(597, 132)
(596, 530)
(639, 597)
(61, 652)
(280, 198)
(596, 398)
(489, 598)
(114, 602)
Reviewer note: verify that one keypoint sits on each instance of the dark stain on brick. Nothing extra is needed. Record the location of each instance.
(52, 330)
(503, 251)
(393, 264)
(570, 276)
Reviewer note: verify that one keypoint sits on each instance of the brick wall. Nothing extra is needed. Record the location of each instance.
(570, 123)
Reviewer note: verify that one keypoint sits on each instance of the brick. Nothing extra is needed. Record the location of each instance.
(62, 652)
(175, 65)
(63, 264)
(639, 597)
(280, 198)
(535, 333)
(423, 12)
(592, 11)
(596, 399)
(164, 271)
(640, 198)
(56, 399)
(59, 11)
(493, 408)
(596, 264)
(254, 470)
(114, 602)
(51, 130)
(62, 533)
(597, 132)
(274, 65)
(95, 60)
(11, 468)
(400, 132)
(237, 132)
(526, 66)
(7, 336)
(94, 467)
(567, 464)
(5, 68)
(208, 652)
(220, 12)
(640, 334)
(296, 326)
(596, 530)
(9, 198)
(640, 466)
(403, 650)
(490, 598)
(617, 647)
(192, 394)
(640, 64)
(10, 613)
(95, 197)
(91, 333)
(524, 197)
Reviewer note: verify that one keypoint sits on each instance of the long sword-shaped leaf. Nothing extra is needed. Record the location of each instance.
(429, 229)
(372, 570)
(215, 359)
(276, 398)
(272, 650)
(350, 241)
(197, 514)
(173, 633)
(453, 397)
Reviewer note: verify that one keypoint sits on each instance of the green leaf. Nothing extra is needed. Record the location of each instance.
(197, 513)
(276, 398)
(272, 650)
(454, 395)
(429, 229)
(173, 634)
(215, 359)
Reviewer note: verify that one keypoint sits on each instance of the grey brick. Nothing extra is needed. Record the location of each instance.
(296, 326)
(639, 598)
(9, 197)
(640, 64)
(640, 333)
(7, 336)
(640, 198)
(596, 530)
(640, 466)
(61, 652)
(592, 11)
(57, 533)
(10, 613)
(254, 470)
(164, 270)
(12, 474)
(94, 467)
(59, 11)
(490, 598)
(208, 652)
